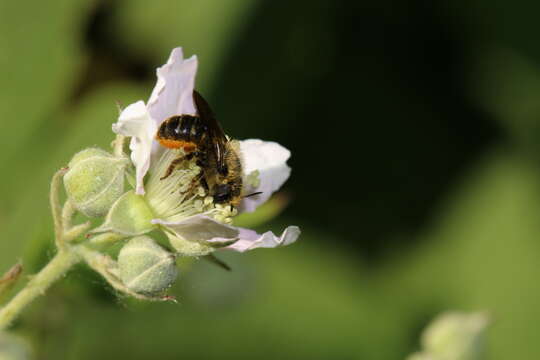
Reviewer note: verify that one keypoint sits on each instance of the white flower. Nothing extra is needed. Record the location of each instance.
(182, 208)
(172, 95)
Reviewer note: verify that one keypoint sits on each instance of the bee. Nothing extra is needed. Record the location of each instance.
(201, 137)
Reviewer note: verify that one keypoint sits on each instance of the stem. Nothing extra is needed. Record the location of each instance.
(68, 211)
(105, 239)
(76, 231)
(56, 207)
(57, 267)
(118, 145)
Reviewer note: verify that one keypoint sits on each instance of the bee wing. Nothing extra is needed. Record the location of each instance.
(216, 134)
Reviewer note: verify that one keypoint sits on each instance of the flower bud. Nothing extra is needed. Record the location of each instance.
(94, 181)
(13, 347)
(145, 267)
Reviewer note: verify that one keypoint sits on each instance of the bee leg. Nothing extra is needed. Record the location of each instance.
(171, 167)
(204, 184)
(199, 180)
(200, 158)
(195, 182)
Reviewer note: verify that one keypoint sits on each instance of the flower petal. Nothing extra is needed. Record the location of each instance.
(250, 240)
(270, 160)
(135, 121)
(199, 228)
(173, 93)
(203, 229)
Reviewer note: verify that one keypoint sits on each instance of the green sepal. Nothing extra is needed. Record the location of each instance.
(129, 216)
(189, 248)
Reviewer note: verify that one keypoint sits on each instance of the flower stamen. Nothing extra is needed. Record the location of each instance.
(181, 195)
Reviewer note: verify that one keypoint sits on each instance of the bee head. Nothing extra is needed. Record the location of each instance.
(222, 193)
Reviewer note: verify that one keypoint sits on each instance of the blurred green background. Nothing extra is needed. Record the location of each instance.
(415, 132)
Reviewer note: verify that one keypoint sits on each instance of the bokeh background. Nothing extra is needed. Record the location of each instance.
(415, 131)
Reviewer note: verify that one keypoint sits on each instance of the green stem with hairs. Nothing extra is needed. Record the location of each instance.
(37, 286)
(64, 259)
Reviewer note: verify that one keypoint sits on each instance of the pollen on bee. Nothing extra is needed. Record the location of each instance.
(188, 146)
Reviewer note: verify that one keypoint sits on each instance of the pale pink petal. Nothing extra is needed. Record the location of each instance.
(134, 121)
(203, 229)
(173, 93)
(270, 160)
(250, 240)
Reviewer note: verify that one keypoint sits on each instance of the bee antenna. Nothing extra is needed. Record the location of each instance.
(253, 194)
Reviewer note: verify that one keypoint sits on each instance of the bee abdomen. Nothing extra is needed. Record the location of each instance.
(181, 131)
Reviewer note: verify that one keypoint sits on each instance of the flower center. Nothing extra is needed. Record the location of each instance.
(181, 194)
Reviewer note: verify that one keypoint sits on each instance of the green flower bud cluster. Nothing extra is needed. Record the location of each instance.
(94, 181)
(94, 185)
(145, 267)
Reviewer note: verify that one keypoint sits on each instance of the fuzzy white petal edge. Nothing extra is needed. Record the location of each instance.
(270, 160)
(173, 93)
(134, 121)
